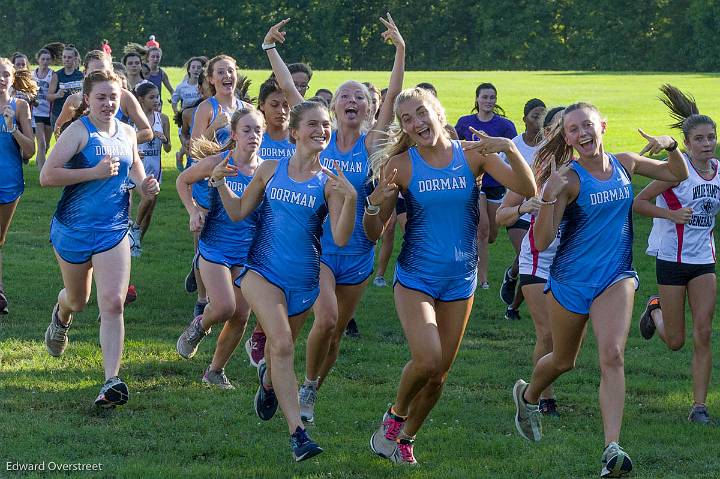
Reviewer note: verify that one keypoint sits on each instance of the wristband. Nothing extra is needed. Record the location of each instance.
(215, 183)
(268, 46)
(518, 210)
(543, 202)
(14, 129)
(672, 147)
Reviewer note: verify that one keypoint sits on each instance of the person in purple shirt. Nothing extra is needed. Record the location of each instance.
(489, 118)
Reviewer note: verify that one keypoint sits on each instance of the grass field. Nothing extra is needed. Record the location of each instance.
(175, 427)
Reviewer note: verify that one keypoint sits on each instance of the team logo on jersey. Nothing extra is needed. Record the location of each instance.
(707, 207)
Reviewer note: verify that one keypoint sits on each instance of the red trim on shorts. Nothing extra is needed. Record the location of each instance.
(533, 250)
(674, 204)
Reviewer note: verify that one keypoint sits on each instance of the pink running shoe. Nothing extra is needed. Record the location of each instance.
(255, 347)
(383, 442)
(404, 453)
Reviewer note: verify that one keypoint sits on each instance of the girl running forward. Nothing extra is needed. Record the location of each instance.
(534, 265)
(94, 160)
(157, 75)
(282, 276)
(151, 153)
(41, 112)
(134, 64)
(65, 82)
(187, 91)
(16, 145)
(592, 276)
(436, 271)
(224, 244)
(345, 270)
(490, 119)
(682, 242)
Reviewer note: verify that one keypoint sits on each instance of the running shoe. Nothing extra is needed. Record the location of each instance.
(302, 446)
(134, 236)
(190, 281)
(307, 397)
(3, 303)
(199, 308)
(647, 325)
(351, 330)
(113, 393)
(217, 378)
(383, 442)
(484, 285)
(131, 294)
(255, 347)
(187, 343)
(527, 416)
(512, 314)
(615, 461)
(265, 400)
(379, 281)
(699, 414)
(56, 339)
(548, 407)
(404, 452)
(507, 289)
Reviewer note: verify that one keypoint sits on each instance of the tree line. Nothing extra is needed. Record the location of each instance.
(653, 35)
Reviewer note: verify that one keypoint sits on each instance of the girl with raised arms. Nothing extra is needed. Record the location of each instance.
(224, 244)
(684, 247)
(16, 146)
(281, 280)
(94, 160)
(590, 200)
(345, 270)
(436, 271)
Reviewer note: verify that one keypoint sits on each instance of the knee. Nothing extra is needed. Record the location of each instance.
(702, 336)
(429, 367)
(612, 357)
(112, 304)
(437, 381)
(676, 342)
(563, 365)
(222, 310)
(75, 303)
(326, 318)
(281, 348)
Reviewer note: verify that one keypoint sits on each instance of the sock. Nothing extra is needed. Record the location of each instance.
(392, 411)
(314, 383)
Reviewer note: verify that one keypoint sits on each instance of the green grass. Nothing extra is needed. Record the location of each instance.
(175, 427)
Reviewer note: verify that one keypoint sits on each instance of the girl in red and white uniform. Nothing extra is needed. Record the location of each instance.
(682, 242)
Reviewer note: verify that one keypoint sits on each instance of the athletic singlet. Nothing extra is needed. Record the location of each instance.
(534, 262)
(71, 83)
(12, 184)
(596, 231)
(442, 217)
(120, 115)
(275, 150)
(528, 153)
(156, 79)
(222, 135)
(693, 242)
(186, 94)
(98, 205)
(219, 230)
(43, 105)
(152, 150)
(287, 240)
(355, 166)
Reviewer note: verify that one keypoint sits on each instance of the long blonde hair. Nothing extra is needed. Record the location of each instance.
(22, 80)
(368, 121)
(397, 140)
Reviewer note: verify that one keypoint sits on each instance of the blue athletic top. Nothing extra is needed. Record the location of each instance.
(219, 231)
(356, 168)
(596, 231)
(442, 218)
(120, 115)
(287, 239)
(12, 184)
(98, 205)
(275, 150)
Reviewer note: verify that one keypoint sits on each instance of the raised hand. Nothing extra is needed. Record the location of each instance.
(486, 144)
(223, 170)
(275, 34)
(530, 205)
(150, 186)
(680, 216)
(385, 189)
(107, 167)
(8, 115)
(340, 182)
(655, 144)
(392, 33)
(555, 183)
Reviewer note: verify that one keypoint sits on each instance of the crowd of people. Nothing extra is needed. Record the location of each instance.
(287, 197)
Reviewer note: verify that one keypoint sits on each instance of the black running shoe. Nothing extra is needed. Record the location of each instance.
(512, 314)
(266, 402)
(113, 393)
(190, 281)
(507, 289)
(352, 330)
(548, 407)
(647, 325)
(303, 447)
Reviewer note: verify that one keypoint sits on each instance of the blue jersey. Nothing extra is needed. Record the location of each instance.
(12, 183)
(354, 164)
(275, 149)
(120, 115)
(219, 231)
(286, 247)
(442, 217)
(98, 205)
(596, 231)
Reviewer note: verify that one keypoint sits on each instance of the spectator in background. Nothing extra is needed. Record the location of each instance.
(106, 48)
(325, 94)
(152, 42)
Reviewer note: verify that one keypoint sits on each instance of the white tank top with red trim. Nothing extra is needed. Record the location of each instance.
(534, 262)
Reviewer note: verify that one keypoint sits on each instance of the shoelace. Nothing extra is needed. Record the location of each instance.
(221, 375)
(308, 395)
(196, 332)
(406, 451)
(393, 428)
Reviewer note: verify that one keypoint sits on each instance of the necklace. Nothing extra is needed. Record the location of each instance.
(708, 170)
